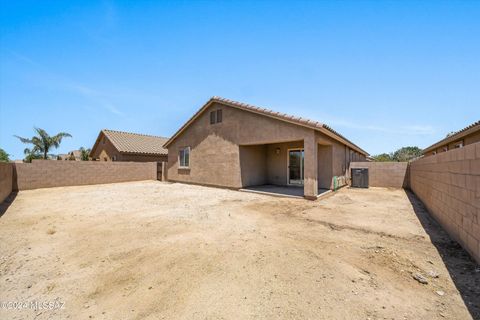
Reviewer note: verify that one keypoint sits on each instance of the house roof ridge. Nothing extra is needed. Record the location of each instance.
(267, 112)
(455, 135)
(134, 133)
(286, 116)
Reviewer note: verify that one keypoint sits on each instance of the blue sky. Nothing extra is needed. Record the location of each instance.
(385, 74)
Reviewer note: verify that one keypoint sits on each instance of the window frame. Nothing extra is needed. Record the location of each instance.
(183, 149)
(216, 116)
(213, 117)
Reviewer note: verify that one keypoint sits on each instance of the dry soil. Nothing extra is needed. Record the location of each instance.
(153, 250)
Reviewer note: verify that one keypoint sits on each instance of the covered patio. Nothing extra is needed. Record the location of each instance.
(283, 191)
(299, 168)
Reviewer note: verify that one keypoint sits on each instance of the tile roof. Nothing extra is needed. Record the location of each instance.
(76, 153)
(455, 136)
(273, 114)
(127, 142)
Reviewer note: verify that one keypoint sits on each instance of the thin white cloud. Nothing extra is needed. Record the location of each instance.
(51, 79)
(405, 129)
(96, 96)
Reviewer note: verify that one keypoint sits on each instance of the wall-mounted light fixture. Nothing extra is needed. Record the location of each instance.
(277, 151)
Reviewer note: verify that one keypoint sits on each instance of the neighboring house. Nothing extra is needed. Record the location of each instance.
(459, 139)
(236, 145)
(62, 156)
(125, 146)
(75, 155)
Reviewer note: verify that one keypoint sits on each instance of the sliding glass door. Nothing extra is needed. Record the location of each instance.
(295, 166)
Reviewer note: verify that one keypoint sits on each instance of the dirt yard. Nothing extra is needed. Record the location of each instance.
(152, 250)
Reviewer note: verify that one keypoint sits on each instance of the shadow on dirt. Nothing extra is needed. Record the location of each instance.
(7, 202)
(464, 271)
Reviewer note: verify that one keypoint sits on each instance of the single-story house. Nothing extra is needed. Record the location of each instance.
(75, 155)
(236, 145)
(459, 139)
(114, 145)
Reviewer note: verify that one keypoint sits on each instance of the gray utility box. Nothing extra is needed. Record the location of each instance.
(360, 177)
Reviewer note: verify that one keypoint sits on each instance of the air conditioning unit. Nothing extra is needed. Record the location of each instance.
(359, 177)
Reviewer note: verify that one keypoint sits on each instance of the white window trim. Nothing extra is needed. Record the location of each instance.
(179, 162)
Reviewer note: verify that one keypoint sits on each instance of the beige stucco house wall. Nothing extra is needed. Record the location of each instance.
(249, 148)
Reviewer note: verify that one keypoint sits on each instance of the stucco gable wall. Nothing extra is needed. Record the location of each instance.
(104, 150)
(215, 157)
(215, 154)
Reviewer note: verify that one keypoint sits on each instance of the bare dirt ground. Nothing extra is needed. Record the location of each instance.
(152, 250)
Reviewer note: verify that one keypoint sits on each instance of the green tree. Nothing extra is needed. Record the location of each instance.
(451, 133)
(4, 156)
(30, 155)
(383, 157)
(42, 143)
(406, 154)
(85, 154)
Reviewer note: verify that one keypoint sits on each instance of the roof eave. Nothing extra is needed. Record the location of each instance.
(452, 138)
(97, 141)
(143, 153)
(322, 129)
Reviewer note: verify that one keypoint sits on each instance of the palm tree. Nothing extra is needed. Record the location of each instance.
(30, 155)
(42, 143)
(85, 153)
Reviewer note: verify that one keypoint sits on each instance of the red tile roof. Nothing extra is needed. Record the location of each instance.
(136, 143)
(474, 127)
(273, 114)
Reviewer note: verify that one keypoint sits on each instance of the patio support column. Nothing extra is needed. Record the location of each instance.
(310, 187)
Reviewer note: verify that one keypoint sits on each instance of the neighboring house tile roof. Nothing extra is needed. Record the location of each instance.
(472, 128)
(272, 114)
(135, 143)
(77, 154)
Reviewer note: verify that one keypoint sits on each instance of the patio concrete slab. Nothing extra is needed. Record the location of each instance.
(282, 191)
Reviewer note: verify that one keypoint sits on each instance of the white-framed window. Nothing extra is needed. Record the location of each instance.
(184, 157)
(114, 158)
(458, 144)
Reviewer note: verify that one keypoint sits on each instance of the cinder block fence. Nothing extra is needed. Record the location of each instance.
(449, 186)
(49, 173)
(6, 180)
(385, 174)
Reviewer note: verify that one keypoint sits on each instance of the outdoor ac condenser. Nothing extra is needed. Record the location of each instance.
(360, 177)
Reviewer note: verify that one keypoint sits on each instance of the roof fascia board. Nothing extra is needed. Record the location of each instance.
(452, 138)
(211, 101)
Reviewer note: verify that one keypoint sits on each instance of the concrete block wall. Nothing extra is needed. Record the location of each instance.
(449, 186)
(50, 173)
(384, 174)
(6, 180)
